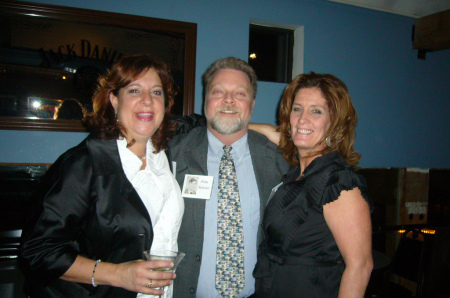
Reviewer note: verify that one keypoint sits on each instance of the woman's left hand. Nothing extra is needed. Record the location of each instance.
(143, 277)
(138, 276)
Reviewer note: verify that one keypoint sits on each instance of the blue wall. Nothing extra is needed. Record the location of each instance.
(403, 102)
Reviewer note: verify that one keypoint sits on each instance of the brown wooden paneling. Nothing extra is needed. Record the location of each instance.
(432, 32)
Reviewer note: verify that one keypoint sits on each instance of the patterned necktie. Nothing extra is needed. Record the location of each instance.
(230, 278)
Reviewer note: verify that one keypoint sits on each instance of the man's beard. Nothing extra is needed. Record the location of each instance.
(227, 125)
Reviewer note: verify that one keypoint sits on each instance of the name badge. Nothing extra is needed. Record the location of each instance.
(197, 186)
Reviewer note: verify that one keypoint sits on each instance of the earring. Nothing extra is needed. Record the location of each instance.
(328, 141)
(115, 115)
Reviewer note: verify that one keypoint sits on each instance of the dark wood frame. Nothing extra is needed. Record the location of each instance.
(101, 17)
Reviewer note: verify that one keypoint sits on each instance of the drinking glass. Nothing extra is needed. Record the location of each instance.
(165, 255)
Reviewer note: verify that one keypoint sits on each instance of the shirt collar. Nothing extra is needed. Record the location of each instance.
(131, 161)
(316, 164)
(215, 146)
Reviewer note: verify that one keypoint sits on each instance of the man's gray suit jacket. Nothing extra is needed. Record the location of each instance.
(189, 151)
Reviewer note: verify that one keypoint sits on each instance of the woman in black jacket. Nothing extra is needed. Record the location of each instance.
(93, 221)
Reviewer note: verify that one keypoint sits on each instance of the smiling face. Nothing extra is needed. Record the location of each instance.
(229, 103)
(310, 120)
(140, 106)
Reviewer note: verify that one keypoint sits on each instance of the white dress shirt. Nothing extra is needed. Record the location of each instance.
(161, 195)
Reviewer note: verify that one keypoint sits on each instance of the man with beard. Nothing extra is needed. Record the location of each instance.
(230, 91)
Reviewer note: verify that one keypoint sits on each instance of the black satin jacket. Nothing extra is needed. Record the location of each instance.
(85, 206)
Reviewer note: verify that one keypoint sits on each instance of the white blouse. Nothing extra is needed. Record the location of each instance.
(161, 195)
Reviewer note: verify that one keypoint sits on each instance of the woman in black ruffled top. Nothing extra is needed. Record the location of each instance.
(317, 224)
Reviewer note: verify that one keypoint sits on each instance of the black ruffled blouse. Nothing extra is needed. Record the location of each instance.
(299, 256)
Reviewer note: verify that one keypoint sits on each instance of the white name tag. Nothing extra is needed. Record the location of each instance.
(197, 186)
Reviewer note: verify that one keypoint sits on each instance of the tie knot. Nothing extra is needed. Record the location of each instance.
(227, 149)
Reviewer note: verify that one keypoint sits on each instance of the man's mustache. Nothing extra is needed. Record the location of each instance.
(228, 109)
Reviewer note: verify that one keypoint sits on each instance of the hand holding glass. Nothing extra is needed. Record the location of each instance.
(165, 255)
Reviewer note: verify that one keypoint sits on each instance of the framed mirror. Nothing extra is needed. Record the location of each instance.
(51, 57)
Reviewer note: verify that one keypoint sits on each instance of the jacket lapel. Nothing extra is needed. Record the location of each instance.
(260, 160)
(197, 155)
(196, 162)
(106, 160)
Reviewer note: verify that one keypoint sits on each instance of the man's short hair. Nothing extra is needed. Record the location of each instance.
(230, 63)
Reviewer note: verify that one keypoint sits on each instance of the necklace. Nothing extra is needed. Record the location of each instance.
(142, 157)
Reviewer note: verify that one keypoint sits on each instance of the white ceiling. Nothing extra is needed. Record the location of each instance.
(410, 8)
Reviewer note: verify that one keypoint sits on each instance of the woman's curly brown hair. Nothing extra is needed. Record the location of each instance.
(102, 122)
(343, 117)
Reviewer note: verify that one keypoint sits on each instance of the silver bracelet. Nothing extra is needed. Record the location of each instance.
(93, 272)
